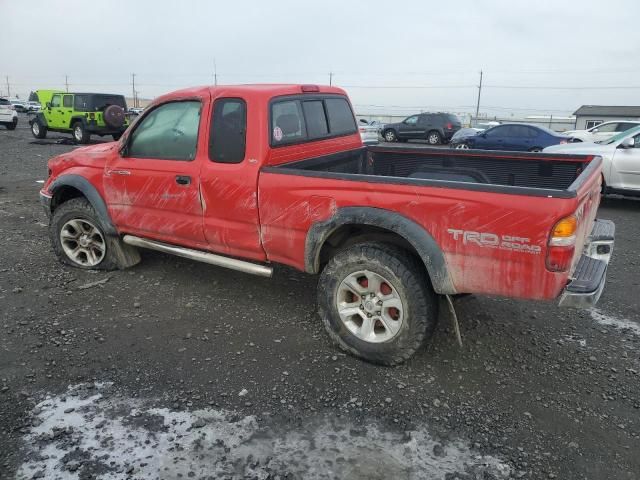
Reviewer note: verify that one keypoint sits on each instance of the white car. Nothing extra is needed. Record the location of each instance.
(368, 132)
(8, 114)
(620, 160)
(602, 131)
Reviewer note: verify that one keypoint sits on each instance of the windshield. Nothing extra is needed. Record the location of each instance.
(620, 136)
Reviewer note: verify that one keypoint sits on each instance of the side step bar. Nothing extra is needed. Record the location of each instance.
(199, 256)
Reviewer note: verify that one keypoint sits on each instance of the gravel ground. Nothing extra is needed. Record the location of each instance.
(175, 369)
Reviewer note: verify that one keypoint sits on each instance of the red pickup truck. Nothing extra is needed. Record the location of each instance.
(247, 176)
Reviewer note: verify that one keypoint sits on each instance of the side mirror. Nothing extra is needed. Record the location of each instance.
(628, 142)
(595, 130)
(48, 104)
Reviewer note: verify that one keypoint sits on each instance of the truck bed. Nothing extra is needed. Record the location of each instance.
(506, 172)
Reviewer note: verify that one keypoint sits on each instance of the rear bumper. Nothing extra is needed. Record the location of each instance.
(589, 277)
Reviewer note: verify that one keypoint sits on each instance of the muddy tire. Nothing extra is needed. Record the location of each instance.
(79, 239)
(376, 302)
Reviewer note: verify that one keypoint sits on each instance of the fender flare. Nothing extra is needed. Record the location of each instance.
(40, 118)
(77, 118)
(419, 238)
(91, 194)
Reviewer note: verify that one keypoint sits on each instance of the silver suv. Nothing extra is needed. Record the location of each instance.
(8, 114)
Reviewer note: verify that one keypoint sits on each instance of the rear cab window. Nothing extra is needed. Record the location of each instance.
(305, 118)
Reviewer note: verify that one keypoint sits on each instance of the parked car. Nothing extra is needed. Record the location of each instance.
(436, 128)
(81, 114)
(512, 136)
(244, 177)
(32, 106)
(601, 132)
(19, 105)
(621, 160)
(8, 114)
(369, 133)
(135, 110)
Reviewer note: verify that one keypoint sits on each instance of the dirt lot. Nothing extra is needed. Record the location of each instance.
(176, 369)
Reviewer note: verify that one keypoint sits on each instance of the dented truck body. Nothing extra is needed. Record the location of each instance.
(297, 190)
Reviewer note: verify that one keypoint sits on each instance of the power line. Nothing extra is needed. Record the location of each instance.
(479, 93)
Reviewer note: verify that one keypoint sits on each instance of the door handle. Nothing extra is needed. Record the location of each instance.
(183, 179)
(118, 172)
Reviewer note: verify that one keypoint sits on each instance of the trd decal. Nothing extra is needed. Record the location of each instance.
(491, 240)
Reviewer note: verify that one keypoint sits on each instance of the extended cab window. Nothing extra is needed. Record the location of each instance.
(168, 132)
(227, 140)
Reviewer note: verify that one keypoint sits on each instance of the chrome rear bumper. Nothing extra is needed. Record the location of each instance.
(589, 277)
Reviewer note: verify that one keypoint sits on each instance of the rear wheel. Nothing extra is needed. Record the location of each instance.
(535, 149)
(376, 303)
(462, 146)
(80, 134)
(390, 136)
(434, 138)
(38, 130)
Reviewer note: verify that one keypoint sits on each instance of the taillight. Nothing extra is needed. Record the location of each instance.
(562, 244)
(449, 126)
(362, 129)
(12, 107)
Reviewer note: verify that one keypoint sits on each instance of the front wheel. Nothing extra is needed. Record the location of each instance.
(535, 150)
(462, 146)
(80, 134)
(12, 125)
(376, 303)
(38, 130)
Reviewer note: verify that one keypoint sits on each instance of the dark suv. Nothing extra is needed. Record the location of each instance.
(435, 128)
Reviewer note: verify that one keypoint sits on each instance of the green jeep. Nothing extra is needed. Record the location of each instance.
(81, 114)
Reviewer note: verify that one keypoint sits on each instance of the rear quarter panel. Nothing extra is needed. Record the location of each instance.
(494, 243)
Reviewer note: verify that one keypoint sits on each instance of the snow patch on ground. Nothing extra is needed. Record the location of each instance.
(620, 323)
(92, 433)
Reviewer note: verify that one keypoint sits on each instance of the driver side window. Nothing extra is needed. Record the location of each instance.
(55, 100)
(168, 132)
(411, 120)
(496, 132)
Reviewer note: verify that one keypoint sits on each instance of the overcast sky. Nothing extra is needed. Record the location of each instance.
(439, 47)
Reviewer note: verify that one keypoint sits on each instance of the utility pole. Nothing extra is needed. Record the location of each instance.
(479, 92)
(133, 88)
(215, 73)
(330, 78)
(8, 88)
(66, 82)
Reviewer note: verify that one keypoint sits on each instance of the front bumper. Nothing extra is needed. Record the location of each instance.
(45, 201)
(588, 279)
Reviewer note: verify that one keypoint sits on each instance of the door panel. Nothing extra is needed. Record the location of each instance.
(153, 190)
(626, 166)
(53, 112)
(229, 179)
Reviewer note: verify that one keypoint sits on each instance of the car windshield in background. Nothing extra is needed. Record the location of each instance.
(620, 136)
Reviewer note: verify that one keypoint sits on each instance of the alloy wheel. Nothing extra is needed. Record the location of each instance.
(370, 307)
